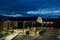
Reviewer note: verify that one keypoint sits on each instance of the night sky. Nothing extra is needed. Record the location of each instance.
(30, 8)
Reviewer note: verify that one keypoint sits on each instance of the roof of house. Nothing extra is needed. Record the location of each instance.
(20, 18)
(2, 18)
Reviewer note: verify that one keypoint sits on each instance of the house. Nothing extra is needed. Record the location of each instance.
(32, 24)
(51, 22)
(26, 21)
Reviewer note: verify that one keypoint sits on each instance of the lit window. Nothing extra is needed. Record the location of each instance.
(48, 22)
(44, 22)
(51, 22)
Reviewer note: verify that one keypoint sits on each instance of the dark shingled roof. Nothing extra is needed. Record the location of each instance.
(2, 18)
(22, 18)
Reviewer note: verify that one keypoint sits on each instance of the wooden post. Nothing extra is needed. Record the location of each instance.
(28, 27)
(36, 29)
(12, 26)
(42, 26)
(32, 25)
(23, 26)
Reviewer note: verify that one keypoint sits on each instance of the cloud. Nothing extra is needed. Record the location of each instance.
(15, 15)
(44, 11)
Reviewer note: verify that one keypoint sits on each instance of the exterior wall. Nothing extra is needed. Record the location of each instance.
(39, 19)
(15, 24)
(7, 25)
(1, 25)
